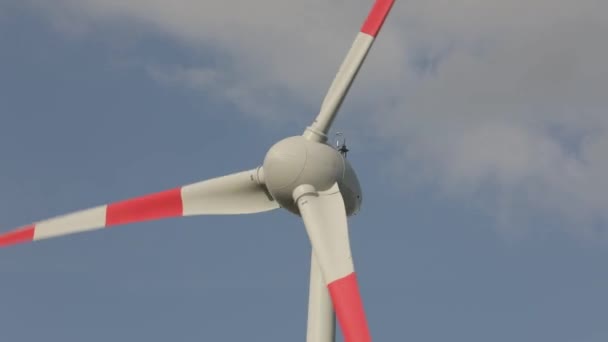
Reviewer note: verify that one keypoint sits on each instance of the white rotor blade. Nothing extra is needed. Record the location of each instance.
(349, 69)
(324, 216)
(321, 319)
(238, 193)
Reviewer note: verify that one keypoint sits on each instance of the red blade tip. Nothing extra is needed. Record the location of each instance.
(376, 17)
(25, 234)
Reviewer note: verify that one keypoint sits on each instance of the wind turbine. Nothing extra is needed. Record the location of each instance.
(302, 174)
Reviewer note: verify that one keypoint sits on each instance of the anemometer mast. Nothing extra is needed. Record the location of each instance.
(341, 144)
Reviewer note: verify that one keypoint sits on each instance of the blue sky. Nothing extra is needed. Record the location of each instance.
(477, 132)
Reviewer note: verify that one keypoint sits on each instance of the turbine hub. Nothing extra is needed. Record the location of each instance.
(296, 161)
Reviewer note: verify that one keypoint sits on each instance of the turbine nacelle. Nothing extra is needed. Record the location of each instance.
(297, 161)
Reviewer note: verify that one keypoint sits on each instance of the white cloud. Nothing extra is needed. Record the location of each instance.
(501, 95)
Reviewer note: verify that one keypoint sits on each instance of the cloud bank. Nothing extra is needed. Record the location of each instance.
(502, 103)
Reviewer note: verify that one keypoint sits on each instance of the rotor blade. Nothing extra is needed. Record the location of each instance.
(349, 69)
(321, 319)
(324, 216)
(238, 193)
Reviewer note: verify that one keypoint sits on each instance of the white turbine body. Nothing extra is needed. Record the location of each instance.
(297, 161)
(302, 174)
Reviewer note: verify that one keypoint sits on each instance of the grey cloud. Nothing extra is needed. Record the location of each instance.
(502, 95)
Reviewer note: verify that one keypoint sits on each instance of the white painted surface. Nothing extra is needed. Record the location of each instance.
(324, 216)
(237, 193)
(296, 161)
(340, 86)
(321, 318)
(80, 221)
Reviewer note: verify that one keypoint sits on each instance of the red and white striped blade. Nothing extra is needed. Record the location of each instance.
(350, 66)
(238, 193)
(324, 216)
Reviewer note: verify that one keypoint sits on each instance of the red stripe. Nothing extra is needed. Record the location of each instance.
(376, 17)
(151, 207)
(17, 236)
(349, 309)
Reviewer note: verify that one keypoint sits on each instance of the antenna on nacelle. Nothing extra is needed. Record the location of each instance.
(341, 144)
